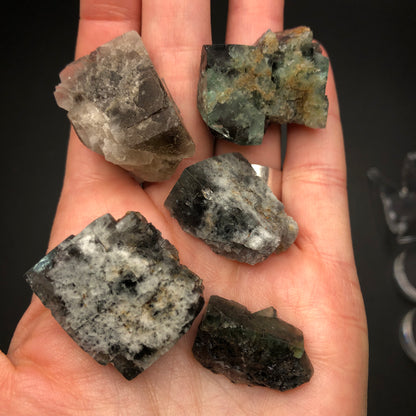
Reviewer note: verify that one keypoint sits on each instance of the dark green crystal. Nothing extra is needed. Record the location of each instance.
(281, 79)
(257, 349)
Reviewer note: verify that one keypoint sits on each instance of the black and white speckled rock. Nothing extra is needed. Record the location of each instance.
(122, 110)
(222, 201)
(119, 291)
(257, 349)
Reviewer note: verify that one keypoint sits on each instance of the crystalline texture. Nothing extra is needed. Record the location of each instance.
(119, 291)
(281, 79)
(222, 201)
(255, 349)
(120, 109)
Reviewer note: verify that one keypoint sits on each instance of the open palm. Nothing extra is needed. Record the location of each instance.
(313, 285)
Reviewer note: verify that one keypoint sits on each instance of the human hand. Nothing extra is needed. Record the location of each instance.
(313, 285)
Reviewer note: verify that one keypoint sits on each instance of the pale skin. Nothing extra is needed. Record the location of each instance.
(314, 285)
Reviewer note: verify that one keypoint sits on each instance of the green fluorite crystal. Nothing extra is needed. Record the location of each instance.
(251, 348)
(281, 79)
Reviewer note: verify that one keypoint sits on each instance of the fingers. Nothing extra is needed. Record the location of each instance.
(268, 154)
(314, 183)
(93, 187)
(247, 21)
(103, 20)
(100, 21)
(6, 368)
(7, 374)
(173, 32)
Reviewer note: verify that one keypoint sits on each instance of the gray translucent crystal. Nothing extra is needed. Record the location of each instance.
(120, 109)
(118, 290)
(257, 349)
(222, 201)
(281, 79)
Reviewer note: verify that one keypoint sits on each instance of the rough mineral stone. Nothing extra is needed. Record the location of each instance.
(399, 202)
(281, 79)
(256, 349)
(120, 108)
(222, 201)
(119, 291)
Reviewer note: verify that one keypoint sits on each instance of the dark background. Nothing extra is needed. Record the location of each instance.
(371, 44)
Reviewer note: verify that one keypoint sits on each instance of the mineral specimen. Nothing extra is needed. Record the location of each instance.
(222, 201)
(119, 291)
(281, 79)
(255, 349)
(399, 202)
(120, 108)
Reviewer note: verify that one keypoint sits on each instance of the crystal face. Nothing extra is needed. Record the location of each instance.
(222, 201)
(120, 109)
(257, 349)
(281, 79)
(118, 290)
